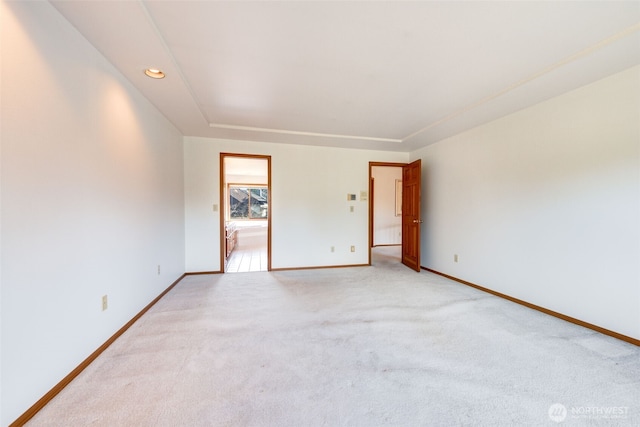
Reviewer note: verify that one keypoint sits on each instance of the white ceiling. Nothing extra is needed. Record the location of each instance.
(388, 75)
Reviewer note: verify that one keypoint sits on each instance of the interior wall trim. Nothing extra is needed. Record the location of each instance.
(301, 133)
(195, 273)
(33, 410)
(564, 317)
(553, 67)
(319, 267)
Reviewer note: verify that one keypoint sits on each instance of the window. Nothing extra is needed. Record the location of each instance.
(248, 202)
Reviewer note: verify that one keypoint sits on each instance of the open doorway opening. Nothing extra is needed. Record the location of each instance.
(385, 212)
(246, 220)
(405, 205)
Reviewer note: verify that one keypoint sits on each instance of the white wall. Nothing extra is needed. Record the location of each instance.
(310, 212)
(387, 227)
(544, 204)
(92, 201)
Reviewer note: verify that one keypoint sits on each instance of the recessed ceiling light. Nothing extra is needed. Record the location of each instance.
(154, 73)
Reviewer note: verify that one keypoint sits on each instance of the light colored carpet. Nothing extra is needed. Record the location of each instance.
(367, 346)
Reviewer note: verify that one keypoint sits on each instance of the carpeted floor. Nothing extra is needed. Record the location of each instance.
(368, 346)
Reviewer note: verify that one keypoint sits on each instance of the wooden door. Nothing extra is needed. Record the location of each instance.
(411, 215)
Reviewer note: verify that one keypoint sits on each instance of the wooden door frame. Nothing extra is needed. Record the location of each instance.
(223, 204)
(372, 195)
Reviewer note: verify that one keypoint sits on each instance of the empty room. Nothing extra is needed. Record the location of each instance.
(315, 213)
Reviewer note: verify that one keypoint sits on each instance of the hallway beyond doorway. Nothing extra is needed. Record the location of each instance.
(250, 253)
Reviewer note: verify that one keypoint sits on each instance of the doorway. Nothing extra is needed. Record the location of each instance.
(245, 194)
(385, 215)
(394, 212)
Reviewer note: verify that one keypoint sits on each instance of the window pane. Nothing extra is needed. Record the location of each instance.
(239, 203)
(258, 202)
(248, 202)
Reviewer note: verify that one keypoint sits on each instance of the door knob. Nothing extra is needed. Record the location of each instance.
(417, 221)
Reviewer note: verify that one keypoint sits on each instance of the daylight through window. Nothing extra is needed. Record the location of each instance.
(248, 202)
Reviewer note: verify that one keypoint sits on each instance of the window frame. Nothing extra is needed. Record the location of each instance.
(248, 187)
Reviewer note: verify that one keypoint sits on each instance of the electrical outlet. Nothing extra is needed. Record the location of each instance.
(352, 209)
(333, 248)
(455, 258)
(158, 269)
(353, 248)
(105, 302)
